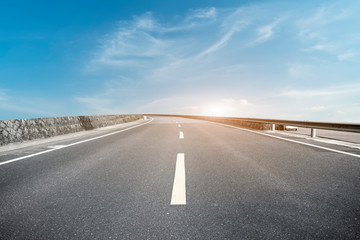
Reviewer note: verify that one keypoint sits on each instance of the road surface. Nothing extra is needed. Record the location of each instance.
(175, 178)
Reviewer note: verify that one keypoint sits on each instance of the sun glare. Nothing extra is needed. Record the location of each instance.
(215, 110)
(225, 107)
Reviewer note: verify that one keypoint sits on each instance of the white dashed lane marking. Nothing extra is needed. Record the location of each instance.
(178, 196)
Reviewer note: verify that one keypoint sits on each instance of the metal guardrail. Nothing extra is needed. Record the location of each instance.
(345, 127)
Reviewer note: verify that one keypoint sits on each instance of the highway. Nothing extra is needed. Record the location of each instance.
(176, 178)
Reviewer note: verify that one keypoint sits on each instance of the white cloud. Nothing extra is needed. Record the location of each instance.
(128, 47)
(195, 18)
(317, 108)
(244, 102)
(170, 61)
(346, 55)
(145, 22)
(203, 13)
(267, 31)
(224, 39)
(322, 17)
(321, 31)
(29, 106)
(143, 42)
(322, 47)
(3, 95)
(333, 91)
(300, 71)
(100, 105)
(316, 19)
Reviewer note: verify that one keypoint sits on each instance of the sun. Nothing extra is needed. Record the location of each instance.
(214, 110)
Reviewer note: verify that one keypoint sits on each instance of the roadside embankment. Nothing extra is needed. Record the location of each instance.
(20, 130)
(231, 121)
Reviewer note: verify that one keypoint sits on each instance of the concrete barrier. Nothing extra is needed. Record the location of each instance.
(20, 130)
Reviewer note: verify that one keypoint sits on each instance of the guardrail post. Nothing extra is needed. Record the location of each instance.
(273, 127)
(313, 132)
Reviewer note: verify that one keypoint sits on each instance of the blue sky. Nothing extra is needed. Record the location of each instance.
(266, 59)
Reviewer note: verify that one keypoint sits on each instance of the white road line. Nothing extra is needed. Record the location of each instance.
(181, 135)
(28, 156)
(57, 146)
(179, 125)
(290, 140)
(72, 144)
(178, 196)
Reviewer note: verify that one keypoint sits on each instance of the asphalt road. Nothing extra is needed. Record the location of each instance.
(239, 185)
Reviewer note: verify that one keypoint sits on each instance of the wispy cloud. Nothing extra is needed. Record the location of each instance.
(36, 111)
(224, 39)
(203, 13)
(333, 91)
(267, 31)
(346, 55)
(325, 15)
(300, 71)
(195, 18)
(25, 106)
(321, 30)
(322, 47)
(317, 108)
(145, 40)
(312, 27)
(145, 45)
(100, 105)
(3, 95)
(145, 22)
(215, 53)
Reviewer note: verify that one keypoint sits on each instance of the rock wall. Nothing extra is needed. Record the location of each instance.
(19, 130)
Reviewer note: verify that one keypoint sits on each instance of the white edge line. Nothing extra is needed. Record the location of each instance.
(27, 156)
(72, 144)
(289, 140)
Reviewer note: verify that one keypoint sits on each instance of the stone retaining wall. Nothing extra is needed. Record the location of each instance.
(27, 129)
